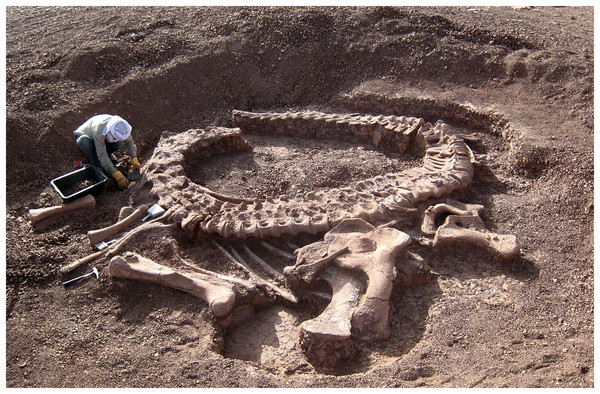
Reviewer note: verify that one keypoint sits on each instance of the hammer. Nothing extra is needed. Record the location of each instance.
(75, 280)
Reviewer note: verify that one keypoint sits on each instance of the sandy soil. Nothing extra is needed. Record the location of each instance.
(478, 323)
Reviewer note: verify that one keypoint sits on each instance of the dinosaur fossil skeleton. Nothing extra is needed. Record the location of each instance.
(355, 221)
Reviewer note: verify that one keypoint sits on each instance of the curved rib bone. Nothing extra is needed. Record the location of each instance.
(241, 282)
(278, 275)
(237, 259)
(279, 252)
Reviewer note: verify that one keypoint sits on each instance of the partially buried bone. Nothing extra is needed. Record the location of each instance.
(451, 207)
(328, 337)
(470, 229)
(356, 245)
(463, 224)
(219, 294)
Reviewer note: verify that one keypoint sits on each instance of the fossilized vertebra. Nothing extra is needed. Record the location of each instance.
(447, 166)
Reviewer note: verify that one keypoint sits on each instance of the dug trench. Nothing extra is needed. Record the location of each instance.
(122, 333)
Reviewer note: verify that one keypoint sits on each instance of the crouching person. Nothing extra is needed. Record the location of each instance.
(102, 135)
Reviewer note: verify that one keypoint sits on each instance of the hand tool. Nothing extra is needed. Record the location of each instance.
(154, 212)
(36, 215)
(78, 262)
(103, 245)
(133, 175)
(75, 280)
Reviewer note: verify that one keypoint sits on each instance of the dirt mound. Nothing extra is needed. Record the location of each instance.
(517, 80)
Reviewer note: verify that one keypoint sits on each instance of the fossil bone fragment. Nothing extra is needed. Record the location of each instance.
(328, 337)
(451, 207)
(219, 294)
(464, 224)
(470, 229)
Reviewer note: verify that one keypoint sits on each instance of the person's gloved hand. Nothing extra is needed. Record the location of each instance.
(135, 164)
(121, 180)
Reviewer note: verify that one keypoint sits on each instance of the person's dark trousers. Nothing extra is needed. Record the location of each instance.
(86, 144)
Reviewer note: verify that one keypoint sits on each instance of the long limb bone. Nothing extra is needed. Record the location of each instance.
(102, 234)
(219, 295)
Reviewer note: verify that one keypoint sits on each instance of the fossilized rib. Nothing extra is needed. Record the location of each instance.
(447, 166)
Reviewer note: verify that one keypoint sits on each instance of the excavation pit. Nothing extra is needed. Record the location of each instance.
(240, 193)
(475, 324)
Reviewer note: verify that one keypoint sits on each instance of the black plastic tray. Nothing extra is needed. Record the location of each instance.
(64, 182)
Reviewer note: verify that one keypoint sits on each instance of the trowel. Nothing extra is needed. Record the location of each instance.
(153, 212)
(103, 245)
(133, 175)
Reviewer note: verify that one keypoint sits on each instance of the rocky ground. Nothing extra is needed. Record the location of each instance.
(478, 323)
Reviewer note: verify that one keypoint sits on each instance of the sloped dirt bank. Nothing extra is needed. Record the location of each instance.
(479, 323)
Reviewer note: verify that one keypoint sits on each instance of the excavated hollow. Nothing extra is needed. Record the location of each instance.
(188, 176)
(285, 165)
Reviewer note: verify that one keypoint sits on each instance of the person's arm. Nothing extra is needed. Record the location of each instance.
(83, 129)
(131, 148)
(100, 143)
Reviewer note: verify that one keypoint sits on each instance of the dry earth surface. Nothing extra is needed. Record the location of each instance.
(478, 323)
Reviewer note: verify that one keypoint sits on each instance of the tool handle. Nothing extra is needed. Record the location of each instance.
(100, 235)
(78, 262)
(75, 280)
(36, 215)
